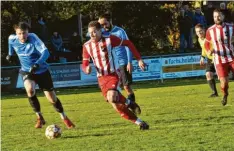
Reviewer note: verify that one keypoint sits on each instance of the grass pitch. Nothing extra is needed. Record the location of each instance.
(179, 112)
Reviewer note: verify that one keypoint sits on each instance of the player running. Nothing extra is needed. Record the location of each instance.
(124, 56)
(33, 54)
(210, 68)
(220, 36)
(99, 49)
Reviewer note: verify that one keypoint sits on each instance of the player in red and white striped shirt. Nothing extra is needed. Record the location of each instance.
(99, 49)
(220, 35)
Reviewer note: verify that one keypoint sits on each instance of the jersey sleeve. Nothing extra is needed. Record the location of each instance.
(208, 41)
(10, 48)
(39, 45)
(115, 41)
(124, 36)
(86, 59)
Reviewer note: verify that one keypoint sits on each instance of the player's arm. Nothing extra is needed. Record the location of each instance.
(207, 43)
(10, 49)
(124, 36)
(115, 41)
(40, 47)
(85, 62)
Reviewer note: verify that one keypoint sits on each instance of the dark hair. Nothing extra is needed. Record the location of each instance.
(22, 26)
(199, 26)
(95, 24)
(107, 16)
(217, 10)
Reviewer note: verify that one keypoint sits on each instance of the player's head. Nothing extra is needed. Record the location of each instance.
(21, 30)
(218, 17)
(105, 21)
(200, 31)
(94, 29)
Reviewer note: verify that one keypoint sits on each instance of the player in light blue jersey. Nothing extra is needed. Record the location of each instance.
(33, 54)
(124, 56)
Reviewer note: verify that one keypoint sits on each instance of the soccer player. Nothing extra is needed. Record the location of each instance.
(124, 56)
(210, 69)
(220, 35)
(33, 54)
(99, 49)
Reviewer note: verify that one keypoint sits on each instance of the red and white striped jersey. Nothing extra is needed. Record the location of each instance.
(221, 39)
(102, 54)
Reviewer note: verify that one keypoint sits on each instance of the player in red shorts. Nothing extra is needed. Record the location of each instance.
(99, 49)
(220, 35)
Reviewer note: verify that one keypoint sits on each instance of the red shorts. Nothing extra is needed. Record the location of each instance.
(108, 82)
(224, 69)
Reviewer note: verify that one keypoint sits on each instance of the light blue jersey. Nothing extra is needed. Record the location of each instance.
(124, 55)
(33, 51)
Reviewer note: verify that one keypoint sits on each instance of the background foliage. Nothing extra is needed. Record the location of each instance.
(152, 26)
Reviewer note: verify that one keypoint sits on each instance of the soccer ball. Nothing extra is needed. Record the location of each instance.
(53, 131)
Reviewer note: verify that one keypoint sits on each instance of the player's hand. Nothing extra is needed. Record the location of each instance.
(33, 68)
(129, 68)
(210, 53)
(88, 70)
(141, 64)
(8, 58)
(202, 61)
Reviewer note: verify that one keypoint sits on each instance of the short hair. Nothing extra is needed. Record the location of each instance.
(22, 26)
(217, 10)
(107, 16)
(199, 26)
(95, 24)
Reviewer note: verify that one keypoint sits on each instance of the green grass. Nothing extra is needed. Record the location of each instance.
(180, 114)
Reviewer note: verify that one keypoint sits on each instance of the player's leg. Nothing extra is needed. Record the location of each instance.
(210, 70)
(108, 85)
(46, 84)
(117, 100)
(126, 79)
(30, 85)
(222, 71)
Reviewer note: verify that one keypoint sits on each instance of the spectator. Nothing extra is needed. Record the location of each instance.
(57, 42)
(42, 30)
(185, 24)
(189, 13)
(200, 18)
(76, 44)
(226, 13)
(208, 12)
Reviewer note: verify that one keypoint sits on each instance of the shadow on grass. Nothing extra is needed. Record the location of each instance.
(19, 93)
(87, 135)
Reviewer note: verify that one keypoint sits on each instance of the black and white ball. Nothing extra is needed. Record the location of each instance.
(53, 131)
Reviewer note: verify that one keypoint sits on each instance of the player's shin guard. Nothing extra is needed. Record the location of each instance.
(58, 106)
(212, 85)
(225, 89)
(34, 103)
(131, 97)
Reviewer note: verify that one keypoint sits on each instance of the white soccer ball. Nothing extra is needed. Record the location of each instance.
(53, 131)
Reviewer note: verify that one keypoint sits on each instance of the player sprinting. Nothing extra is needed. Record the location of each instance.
(124, 56)
(210, 68)
(33, 54)
(99, 49)
(220, 36)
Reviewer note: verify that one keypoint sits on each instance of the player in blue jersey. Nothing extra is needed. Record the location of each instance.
(124, 57)
(33, 54)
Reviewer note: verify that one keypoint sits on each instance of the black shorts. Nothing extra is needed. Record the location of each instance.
(43, 80)
(125, 76)
(210, 66)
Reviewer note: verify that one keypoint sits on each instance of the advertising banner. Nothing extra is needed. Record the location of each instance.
(184, 66)
(153, 70)
(9, 78)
